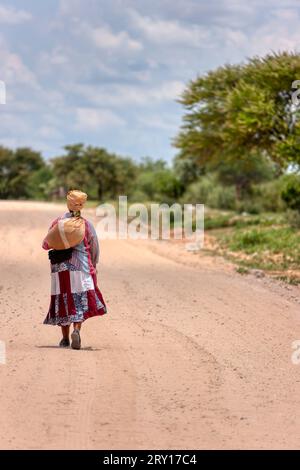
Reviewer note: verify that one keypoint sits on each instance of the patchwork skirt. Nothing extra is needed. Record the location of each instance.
(75, 296)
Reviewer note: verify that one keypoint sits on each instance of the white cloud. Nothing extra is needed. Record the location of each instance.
(104, 38)
(57, 56)
(278, 33)
(66, 8)
(49, 132)
(124, 95)
(13, 69)
(170, 32)
(10, 15)
(233, 37)
(92, 119)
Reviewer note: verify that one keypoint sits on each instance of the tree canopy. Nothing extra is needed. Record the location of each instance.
(240, 111)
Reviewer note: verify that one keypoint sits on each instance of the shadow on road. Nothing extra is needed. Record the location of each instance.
(88, 348)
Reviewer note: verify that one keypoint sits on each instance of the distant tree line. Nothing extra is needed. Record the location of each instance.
(25, 174)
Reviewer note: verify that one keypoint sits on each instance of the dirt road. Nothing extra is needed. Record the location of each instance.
(189, 356)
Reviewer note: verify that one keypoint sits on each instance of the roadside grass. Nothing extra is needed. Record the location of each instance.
(294, 281)
(213, 220)
(263, 241)
(266, 248)
(242, 270)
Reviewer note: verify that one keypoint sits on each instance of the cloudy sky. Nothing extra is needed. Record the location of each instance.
(108, 73)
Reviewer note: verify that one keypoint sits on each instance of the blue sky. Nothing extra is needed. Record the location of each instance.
(107, 73)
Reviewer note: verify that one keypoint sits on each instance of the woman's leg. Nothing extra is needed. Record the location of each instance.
(65, 342)
(65, 331)
(77, 326)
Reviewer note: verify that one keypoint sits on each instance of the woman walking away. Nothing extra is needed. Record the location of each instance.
(75, 295)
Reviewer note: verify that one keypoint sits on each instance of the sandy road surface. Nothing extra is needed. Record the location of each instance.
(189, 356)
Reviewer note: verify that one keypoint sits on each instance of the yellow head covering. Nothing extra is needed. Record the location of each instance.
(76, 200)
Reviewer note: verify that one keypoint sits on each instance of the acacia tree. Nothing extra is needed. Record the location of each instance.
(238, 112)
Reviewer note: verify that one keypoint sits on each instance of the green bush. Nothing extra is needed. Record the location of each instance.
(159, 185)
(267, 195)
(138, 196)
(291, 192)
(199, 191)
(222, 198)
(208, 191)
(250, 205)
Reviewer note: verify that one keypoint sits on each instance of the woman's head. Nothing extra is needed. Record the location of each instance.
(76, 200)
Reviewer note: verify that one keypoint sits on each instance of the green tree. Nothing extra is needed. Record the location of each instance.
(187, 170)
(38, 184)
(157, 182)
(6, 158)
(241, 111)
(245, 172)
(95, 170)
(16, 169)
